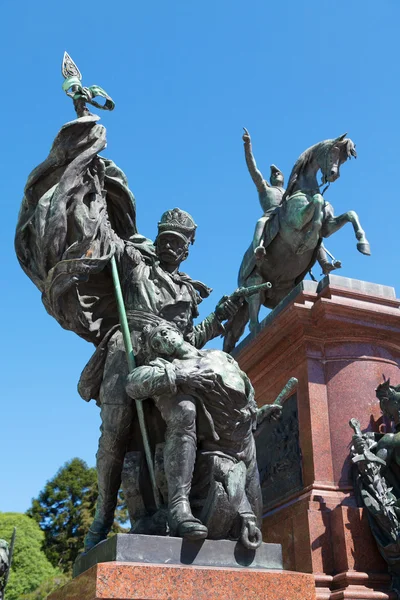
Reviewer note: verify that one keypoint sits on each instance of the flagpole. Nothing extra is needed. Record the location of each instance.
(131, 365)
(73, 87)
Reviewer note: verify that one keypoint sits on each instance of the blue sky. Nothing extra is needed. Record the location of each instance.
(186, 77)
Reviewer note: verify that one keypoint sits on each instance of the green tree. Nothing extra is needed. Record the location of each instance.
(65, 509)
(45, 588)
(30, 567)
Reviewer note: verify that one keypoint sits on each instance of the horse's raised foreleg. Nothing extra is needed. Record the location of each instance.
(254, 303)
(333, 224)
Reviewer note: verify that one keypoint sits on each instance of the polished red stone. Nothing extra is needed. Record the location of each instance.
(338, 343)
(134, 581)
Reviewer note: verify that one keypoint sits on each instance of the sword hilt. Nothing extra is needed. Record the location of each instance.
(356, 426)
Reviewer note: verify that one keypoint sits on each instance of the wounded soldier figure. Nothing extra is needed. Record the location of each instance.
(223, 495)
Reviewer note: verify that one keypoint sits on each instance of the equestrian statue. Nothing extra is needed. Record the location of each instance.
(288, 238)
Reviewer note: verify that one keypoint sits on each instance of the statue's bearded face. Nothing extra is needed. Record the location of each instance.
(166, 341)
(389, 399)
(277, 179)
(171, 249)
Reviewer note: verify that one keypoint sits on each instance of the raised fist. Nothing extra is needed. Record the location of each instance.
(246, 136)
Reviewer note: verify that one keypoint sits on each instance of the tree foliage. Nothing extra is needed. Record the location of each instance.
(65, 509)
(30, 567)
(45, 588)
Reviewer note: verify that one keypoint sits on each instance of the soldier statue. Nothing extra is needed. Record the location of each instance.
(77, 240)
(376, 463)
(153, 288)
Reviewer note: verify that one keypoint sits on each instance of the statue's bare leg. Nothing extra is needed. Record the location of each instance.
(258, 248)
(254, 310)
(254, 301)
(333, 224)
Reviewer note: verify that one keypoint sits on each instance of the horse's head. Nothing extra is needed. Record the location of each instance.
(327, 156)
(330, 154)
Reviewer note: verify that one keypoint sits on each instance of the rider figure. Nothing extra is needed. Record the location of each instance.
(270, 196)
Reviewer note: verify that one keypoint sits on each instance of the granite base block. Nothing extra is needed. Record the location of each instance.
(354, 585)
(154, 549)
(133, 581)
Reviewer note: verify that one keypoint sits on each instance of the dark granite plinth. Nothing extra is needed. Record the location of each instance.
(154, 549)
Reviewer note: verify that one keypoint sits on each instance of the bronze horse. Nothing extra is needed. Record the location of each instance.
(293, 234)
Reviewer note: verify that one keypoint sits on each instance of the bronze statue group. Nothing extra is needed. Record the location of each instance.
(78, 215)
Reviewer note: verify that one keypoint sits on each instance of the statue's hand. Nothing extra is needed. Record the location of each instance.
(275, 412)
(359, 444)
(246, 136)
(200, 379)
(272, 412)
(227, 307)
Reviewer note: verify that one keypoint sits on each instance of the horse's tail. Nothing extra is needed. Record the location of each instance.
(234, 328)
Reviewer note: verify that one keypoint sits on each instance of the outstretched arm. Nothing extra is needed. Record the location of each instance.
(161, 377)
(212, 325)
(256, 175)
(205, 331)
(149, 380)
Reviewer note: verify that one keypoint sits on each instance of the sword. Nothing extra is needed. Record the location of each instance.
(366, 455)
(81, 96)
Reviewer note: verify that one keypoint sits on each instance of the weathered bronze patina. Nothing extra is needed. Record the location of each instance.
(288, 238)
(78, 242)
(376, 460)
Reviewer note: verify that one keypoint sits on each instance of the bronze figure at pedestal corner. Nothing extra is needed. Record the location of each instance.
(376, 462)
(288, 238)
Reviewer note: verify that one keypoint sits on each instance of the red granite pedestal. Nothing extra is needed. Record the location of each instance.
(134, 581)
(337, 338)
